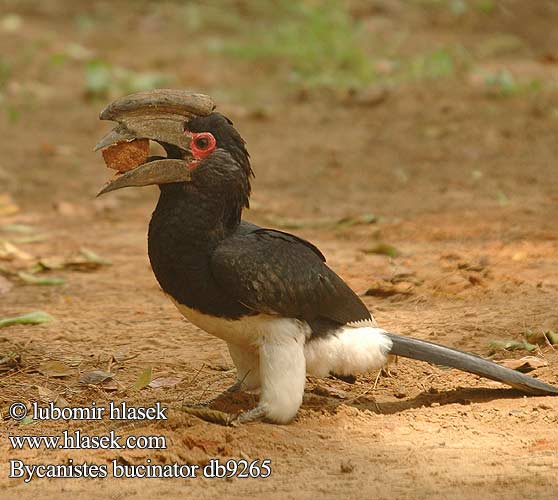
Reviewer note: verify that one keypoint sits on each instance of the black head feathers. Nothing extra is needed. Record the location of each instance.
(226, 136)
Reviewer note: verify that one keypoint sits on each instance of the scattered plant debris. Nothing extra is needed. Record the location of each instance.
(33, 318)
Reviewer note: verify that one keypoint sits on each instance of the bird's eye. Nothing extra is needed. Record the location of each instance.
(202, 143)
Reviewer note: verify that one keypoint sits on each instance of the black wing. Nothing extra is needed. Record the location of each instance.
(274, 272)
(278, 273)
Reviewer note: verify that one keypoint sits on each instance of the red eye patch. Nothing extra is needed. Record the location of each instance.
(203, 143)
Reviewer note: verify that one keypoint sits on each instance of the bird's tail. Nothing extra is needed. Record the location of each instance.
(441, 355)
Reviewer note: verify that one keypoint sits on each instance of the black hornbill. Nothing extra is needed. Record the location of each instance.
(269, 294)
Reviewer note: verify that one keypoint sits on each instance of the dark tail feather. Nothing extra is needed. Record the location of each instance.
(440, 355)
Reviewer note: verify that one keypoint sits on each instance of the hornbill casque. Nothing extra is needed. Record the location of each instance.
(268, 294)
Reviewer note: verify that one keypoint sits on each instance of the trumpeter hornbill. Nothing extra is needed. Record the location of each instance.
(268, 294)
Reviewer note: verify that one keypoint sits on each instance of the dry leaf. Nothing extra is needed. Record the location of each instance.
(46, 396)
(9, 361)
(7, 205)
(68, 209)
(124, 355)
(95, 377)
(55, 369)
(50, 263)
(387, 289)
(321, 390)
(525, 364)
(5, 285)
(164, 382)
(106, 204)
(8, 251)
(371, 96)
(109, 385)
(315, 223)
(356, 220)
(542, 338)
(86, 260)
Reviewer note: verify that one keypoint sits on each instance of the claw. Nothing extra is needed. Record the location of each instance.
(257, 413)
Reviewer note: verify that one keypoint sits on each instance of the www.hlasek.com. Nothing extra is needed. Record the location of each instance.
(72, 440)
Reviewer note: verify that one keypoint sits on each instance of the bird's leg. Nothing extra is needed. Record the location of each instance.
(385, 370)
(236, 387)
(246, 362)
(282, 373)
(247, 365)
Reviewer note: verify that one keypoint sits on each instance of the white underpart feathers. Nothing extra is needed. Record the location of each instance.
(247, 363)
(354, 348)
(274, 354)
(283, 369)
(273, 346)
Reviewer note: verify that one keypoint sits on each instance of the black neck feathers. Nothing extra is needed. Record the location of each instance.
(190, 220)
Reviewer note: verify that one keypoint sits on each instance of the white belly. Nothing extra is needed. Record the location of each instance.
(272, 353)
(248, 332)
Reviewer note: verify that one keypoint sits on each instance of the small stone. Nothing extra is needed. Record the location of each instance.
(347, 467)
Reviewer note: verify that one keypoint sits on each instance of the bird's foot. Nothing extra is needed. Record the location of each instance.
(223, 418)
(257, 413)
(209, 415)
(211, 411)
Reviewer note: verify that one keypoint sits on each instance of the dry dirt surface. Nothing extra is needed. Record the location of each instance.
(462, 250)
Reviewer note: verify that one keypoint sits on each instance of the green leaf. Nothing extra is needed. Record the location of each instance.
(144, 379)
(502, 198)
(30, 279)
(510, 345)
(357, 220)
(382, 249)
(552, 337)
(94, 258)
(135, 82)
(17, 228)
(98, 78)
(28, 420)
(14, 115)
(33, 318)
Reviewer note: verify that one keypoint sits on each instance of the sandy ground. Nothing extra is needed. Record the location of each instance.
(462, 185)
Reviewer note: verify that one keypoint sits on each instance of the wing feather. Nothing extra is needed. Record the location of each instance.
(274, 272)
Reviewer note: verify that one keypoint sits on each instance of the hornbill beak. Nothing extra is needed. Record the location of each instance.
(152, 172)
(157, 115)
